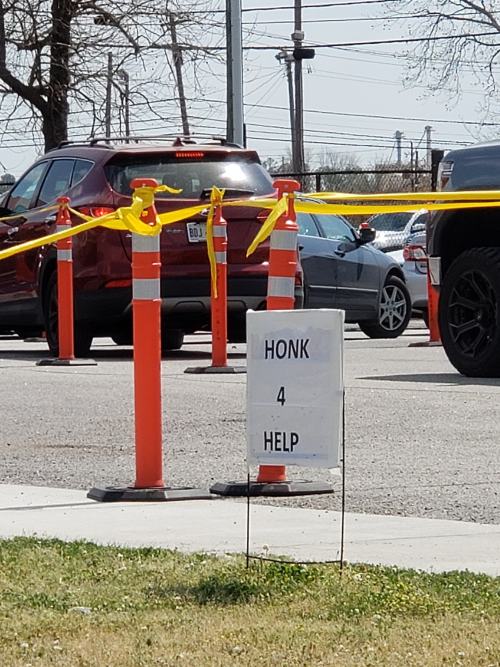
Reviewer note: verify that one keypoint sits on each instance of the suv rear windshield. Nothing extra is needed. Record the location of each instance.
(193, 176)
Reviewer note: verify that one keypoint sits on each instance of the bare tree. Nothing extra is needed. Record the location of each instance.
(460, 36)
(53, 53)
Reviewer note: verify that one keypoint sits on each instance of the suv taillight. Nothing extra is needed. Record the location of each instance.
(414, 253)
(444, 174)
(95, 211)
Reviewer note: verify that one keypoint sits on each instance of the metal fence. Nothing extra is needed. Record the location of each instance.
(5, 185)
(364, 181)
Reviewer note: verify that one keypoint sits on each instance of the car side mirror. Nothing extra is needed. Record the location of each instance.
(417, 227)
(4, 212)
(366, 234)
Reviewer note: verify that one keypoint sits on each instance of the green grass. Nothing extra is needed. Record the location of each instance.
(81, 605)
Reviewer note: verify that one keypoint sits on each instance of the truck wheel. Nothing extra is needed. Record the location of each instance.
(83, 336)
(469, 313)
(171, 339)
(394, 311)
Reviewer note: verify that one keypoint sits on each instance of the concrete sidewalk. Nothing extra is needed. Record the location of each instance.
(218, 526)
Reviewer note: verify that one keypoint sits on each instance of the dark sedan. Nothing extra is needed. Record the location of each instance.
(343, 271)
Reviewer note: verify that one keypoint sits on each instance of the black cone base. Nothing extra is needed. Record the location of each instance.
(66, 362)
(110, 494)
(241, 489)
(202, 370)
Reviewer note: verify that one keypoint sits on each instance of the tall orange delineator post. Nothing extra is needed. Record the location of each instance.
(283, 264)
(433, 310)
(65, 303)
(281, 282)
(218, 302)
(218, 293)
(433, 315)
(146, 305)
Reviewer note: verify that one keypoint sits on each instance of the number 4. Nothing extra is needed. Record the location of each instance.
(281, 396)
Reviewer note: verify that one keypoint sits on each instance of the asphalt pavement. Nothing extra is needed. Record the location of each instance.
(421, 440)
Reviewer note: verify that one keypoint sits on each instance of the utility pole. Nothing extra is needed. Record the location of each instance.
(398, 136)
(177, 57)
(109, 89)
(234, 60)
(286, 57)
(298, 37)
(428, 130)
(126, 96)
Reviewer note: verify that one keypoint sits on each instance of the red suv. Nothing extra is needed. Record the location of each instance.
(96, 176)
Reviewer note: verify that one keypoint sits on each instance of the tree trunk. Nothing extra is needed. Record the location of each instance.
(55, 118)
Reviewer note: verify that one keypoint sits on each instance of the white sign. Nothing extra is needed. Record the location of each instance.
(295, 387)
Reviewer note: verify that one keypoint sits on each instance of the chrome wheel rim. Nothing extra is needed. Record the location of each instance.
(393, 308)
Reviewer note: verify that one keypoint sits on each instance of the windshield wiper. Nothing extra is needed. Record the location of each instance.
(228, 192)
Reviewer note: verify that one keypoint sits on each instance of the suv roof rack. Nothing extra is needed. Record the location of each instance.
(68, 142)
(177, 140)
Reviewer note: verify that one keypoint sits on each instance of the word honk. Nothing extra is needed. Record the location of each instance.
(293, 348)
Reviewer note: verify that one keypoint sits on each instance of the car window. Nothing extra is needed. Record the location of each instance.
(56, 182)
(191, 175)
(307, 226)
(336, 228)
(390, 222)
(22, 194)
(81, 169)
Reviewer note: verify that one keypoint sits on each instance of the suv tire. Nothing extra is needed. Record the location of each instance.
(394, 311)
(82, 337)
(469, 312)
(171, 339)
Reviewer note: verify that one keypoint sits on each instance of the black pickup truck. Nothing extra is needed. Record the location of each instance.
(464, 263)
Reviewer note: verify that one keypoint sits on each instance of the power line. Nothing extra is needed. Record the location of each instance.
(339, 45)
(321, 5)
(352, 19)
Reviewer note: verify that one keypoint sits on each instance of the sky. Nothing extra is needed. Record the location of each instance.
(354, 97)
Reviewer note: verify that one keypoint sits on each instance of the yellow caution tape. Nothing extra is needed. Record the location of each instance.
(128, 218)
(46, 209)
(50, 238)
(351, 209)
(280, 207)
(471, 195)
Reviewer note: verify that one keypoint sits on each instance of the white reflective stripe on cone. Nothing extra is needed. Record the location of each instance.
(219, 231)
(145, 289)
(221, 257)
(62, 228)
(277, 286)
(64, 255)
(141, 243)
(282, 240)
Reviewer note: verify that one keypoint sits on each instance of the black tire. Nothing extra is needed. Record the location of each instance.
(237, 331)
(394, 311)
(83, 336)
(469, 313)
(171, 339)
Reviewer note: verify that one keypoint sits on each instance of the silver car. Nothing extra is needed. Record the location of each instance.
(413, 260)
(394, 229)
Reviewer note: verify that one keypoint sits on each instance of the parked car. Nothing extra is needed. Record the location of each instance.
(413, 260)
(393, 229)
(464, 262)
(96, 176)
(343, 270)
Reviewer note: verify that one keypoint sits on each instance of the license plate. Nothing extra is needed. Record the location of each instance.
(197, 232)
